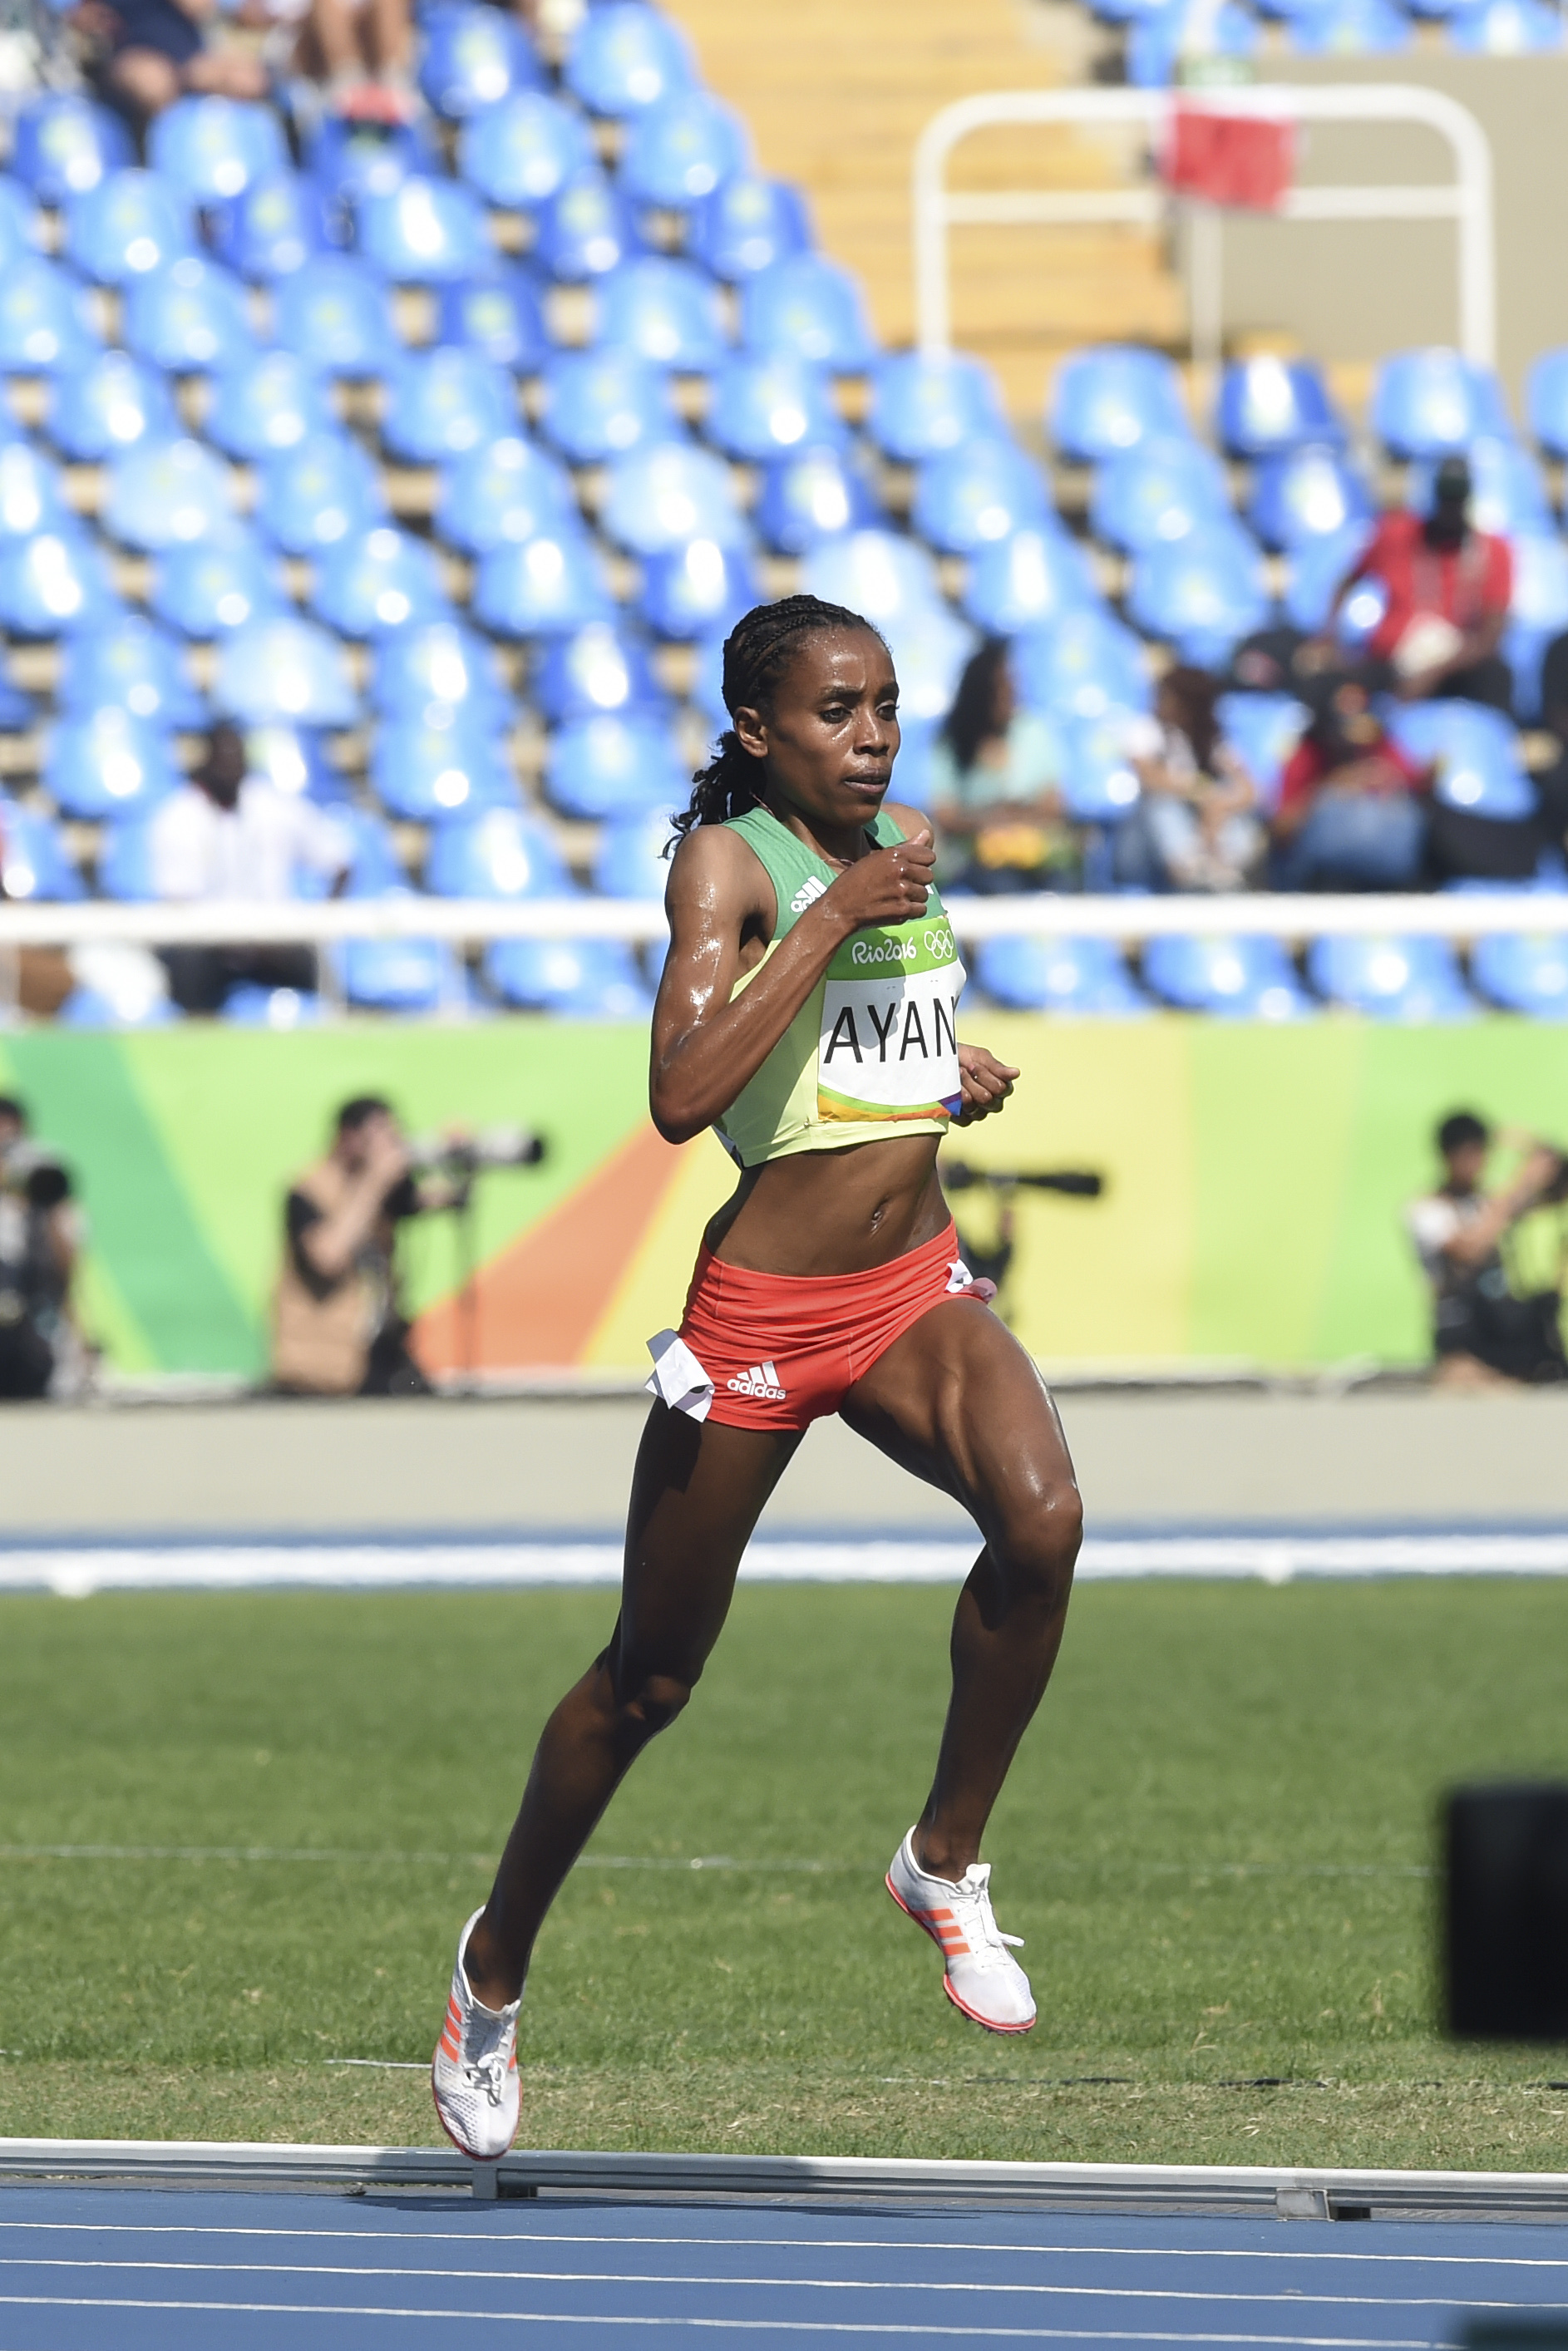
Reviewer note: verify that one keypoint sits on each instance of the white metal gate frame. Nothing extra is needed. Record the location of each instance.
(1467, 200)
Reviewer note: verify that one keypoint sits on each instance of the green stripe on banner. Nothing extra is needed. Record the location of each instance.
(83, 1095)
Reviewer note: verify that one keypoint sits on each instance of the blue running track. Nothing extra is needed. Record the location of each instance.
(112, 2268)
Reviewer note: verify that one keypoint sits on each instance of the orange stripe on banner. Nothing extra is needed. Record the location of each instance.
(540, 1300)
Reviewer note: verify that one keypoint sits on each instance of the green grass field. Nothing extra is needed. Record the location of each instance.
(1216, 1842)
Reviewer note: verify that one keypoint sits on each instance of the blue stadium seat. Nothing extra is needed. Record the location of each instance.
(1241, 978)
(38, 865)
(613, 766)
(664, 311)
(53, 583)
(1028, 581)
(44, 325)
(1539, 612)
(110, 403)
(1316, 567)
(1108, 400)
(19, 222)
(498, 315)
(323, 490)
(763, 408)
(128, 225)
(1202, 595)
(350, 160)
(426, 773)
(816, 493)
(65, 146)
(680, 149)
(1160, 40)
(375, 581)
(1099, 784)
(107, 763)
(878, 572)
(667, 492)
(187, 318)
(598, 404)
(130, 661)
(249, 1007)
(1427, 403)
(125, 861)
(334, 312)
(1307, 493)
(1264, 729)
(922, 408)
(264, 402)
(1081, 666)
(929, 645)
(128, 1002)
(547, 587)
(474, 58)
(690, 590)
(630, 861)
(626, 57)
(1407, 979)
(441, 664)
(293, 761)
(599, 671)
(811, 308)
(444, 402)
(167, 494)
(1268, 406)
(1546, 401)
(504, 493)
(1084, 976)
(1524, 971)
(1163, 490)
(284, 670)
(1351, 28)
(375, 867)
(582, 979)
(18, 711)
(206, 587)
(426, 232)
(406, 976)
(210, 149)
(585, 228)
(707, 687)
(272, 229)
(498, 853)
(1476, 755)
(976, 495)
(32, 496)
(747, 225)
(517, 154)
(1506, 28)
(1508, 494)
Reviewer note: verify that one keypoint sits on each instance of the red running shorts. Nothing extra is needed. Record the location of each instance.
(783, 1349)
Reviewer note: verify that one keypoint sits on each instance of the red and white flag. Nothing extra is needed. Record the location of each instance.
(1243, 160)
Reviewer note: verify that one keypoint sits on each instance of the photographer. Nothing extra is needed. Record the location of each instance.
(1484, 1335)
(338, 1324)
(40, 1238)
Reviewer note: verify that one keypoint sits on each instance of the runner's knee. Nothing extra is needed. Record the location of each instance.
(652, 1704)
(1036, 1544)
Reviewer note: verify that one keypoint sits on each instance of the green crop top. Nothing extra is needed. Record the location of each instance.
(875, 1047)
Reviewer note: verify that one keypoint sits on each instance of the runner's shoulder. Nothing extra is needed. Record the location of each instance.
(911, 821)
(716, 869)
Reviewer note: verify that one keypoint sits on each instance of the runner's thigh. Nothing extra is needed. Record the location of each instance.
(957, 1401)
(697, 1492)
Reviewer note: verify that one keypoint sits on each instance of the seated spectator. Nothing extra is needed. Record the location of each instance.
(41, 1235)
(1196, 826)
(1484, 1335)
(1353, 808)
(994, 792)
(157, 52)
(228, 835)
(362, 50)
(1448, 587)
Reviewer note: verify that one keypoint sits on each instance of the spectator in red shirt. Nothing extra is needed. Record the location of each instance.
(1448, 587)
(1351, 812)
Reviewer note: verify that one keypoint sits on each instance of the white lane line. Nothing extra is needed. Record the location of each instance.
(803, 2243)
(737, 2325)
(693, 1866)
(684, 2279)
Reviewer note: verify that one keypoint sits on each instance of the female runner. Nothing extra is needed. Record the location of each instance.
(807, 1012)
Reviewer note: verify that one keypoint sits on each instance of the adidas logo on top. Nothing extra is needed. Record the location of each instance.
(810, 890)
(761, 1380)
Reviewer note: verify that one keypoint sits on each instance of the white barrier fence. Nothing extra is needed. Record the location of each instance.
(1460, 915)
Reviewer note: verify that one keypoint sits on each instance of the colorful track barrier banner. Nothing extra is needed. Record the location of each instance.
(1253, 1180)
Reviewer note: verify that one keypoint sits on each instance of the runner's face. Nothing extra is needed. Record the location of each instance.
(831, 734)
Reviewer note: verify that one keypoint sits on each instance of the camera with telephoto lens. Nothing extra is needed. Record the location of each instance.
(36, 1174)
(463, 1157)
(1078, 1183)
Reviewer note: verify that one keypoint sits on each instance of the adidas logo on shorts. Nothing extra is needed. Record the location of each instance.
(761, 1380)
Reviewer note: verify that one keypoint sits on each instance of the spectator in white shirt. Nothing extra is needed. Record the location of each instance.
(229, 835)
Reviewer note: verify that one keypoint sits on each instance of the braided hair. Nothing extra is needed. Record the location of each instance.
(757, 654)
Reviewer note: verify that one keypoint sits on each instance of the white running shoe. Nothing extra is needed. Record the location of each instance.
(474, 2074)
(983, 1979)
